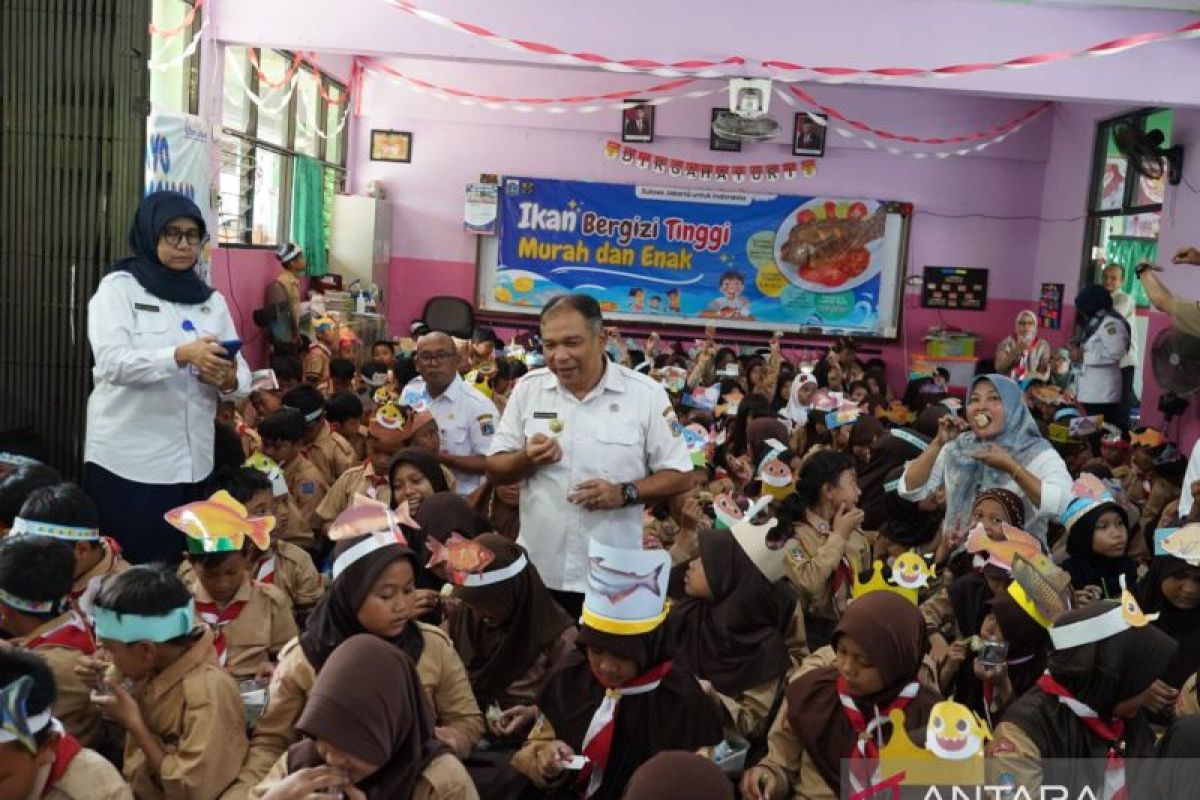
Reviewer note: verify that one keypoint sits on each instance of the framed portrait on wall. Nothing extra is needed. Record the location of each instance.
(391, 146)
(637, 121)
(808, 136)
(720, 143)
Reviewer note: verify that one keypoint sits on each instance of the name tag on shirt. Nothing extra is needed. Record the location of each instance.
(145, 307)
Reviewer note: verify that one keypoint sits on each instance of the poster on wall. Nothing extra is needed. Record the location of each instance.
(479, 216)
(1050, 303)
(177, 153)
(697, 255)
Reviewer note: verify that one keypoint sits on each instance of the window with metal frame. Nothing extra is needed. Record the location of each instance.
(176, 86)
(275, 108)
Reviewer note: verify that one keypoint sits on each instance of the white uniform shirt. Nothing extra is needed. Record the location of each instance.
(148, 419)
(1099, 378)
(622, 431)
(1047, 466)
(466, 421)
(1124, 305)
(1191, 476)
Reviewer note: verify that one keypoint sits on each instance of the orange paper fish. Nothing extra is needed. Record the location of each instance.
(222, 517)
(366, 515)
(459, 555)
(1001, 551)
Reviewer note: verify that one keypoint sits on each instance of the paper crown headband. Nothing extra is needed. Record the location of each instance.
(953, 754)
(53, 530)
(220, 524)
(387, 420)
(267, 466)
(1088, 493)
(1040, 587)
(1123, 616)
(384, 394)
(1182, 543)
(1000, 552)
(878, 583)
(753, 541)
(373, 519)
(626, 589)
(16, 725)
(322, 323)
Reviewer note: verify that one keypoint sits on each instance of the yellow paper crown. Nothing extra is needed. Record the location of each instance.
(878, 583)
(953, 752)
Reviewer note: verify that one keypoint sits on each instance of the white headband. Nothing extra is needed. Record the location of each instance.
(1086, 631)
(475, 580)
(54, 530)
(374, 542)
(35, 725)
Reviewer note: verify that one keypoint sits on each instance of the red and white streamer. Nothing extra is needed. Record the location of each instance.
(704, 172)
(582, 104)
(163, 64)
(269, 105)
(733, 66)
(188, 18)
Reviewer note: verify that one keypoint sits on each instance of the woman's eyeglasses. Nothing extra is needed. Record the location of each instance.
(175, 236)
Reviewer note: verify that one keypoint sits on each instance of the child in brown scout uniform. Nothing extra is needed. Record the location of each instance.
(372, 590)
(827, 547)
(65, 512)
(38, 759)
(384, 440)
(316, 360)
(344, 413)
(251, 621)
(329, 453)
(35, 576)
(282, 434)
(185, 729)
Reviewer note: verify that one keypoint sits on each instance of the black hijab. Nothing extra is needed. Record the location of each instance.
(522, 622)
(334, 619)
(153, 214)
(735, 640)
(1094, 304)
(676, 715)
(892, 450)
(1182, 626)
(1088, 568)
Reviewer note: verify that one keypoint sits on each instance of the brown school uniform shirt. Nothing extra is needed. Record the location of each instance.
(72, 705)
(195, 710)
(89, 776)
(810, 559)
(259, 632)
(330, 454)
(441, 672)
(307, 488)
(87, 585)
(357, 442)
(316, 366)
(444, 778)
(294, 575)
(298, 530)
(354, 481)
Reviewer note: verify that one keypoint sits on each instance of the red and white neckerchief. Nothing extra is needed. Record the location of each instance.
(864, 758)
(843, 573)
(113, 551)
(73, 634)
(374, 482)
(218, 619)
(266, 570)
(1021, 371)
(1111, 732)
(597, 742)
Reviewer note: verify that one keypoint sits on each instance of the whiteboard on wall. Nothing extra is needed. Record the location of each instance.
(756, 261)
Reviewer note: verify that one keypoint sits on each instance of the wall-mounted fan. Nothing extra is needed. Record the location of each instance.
(1173, 358)
(1146, 153)
(747, 120)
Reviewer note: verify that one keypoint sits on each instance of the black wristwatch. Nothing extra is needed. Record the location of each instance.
(630, 495)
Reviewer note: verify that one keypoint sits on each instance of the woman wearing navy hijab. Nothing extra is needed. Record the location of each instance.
(155, 328)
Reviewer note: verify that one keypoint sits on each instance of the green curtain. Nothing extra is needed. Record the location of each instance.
(308, 223)
(1128, 253)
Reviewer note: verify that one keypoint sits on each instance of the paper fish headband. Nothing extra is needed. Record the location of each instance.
(674, 379)
(1121, 617)
(1040, 587)
(464, 561)
(1147, 437)
(1048, 394)
(1088, 493)
(733, 401)
(846, 414)
(16, 725)
(879, 583)
(953, 754)
(263, 380)
(267, 466)
(626, 589)
(753, 541)
(220, 524)
(704, 398)
(1000, 552)
(896, 413)
(826, 401)
(373, 519)
(1085, 426)
(1182, 543)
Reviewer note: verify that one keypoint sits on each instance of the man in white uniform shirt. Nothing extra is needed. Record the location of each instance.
(1113, 278)
(593, 442)
(466, 419)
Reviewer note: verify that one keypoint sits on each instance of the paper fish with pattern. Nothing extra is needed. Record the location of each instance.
(911, 571)
(459, 555)
(1000, 552)
(1182, 543)
(366, 515)
(1040, 587)
(14, 699)
(221, 517)
(896, 413)
(616, 585)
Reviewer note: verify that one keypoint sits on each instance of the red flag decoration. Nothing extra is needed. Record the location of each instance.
(660, 164)
(756, 172)
(808, 167)
(772, 172)
(628, 154)
(676, 167)
(739, 174)
(692, 169)
(789, 170)
(643, 159)
(612, 149)
(722, 173)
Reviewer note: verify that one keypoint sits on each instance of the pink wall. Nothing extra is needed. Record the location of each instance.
(242, 275)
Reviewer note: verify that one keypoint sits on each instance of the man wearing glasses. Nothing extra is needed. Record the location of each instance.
(466, 418)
